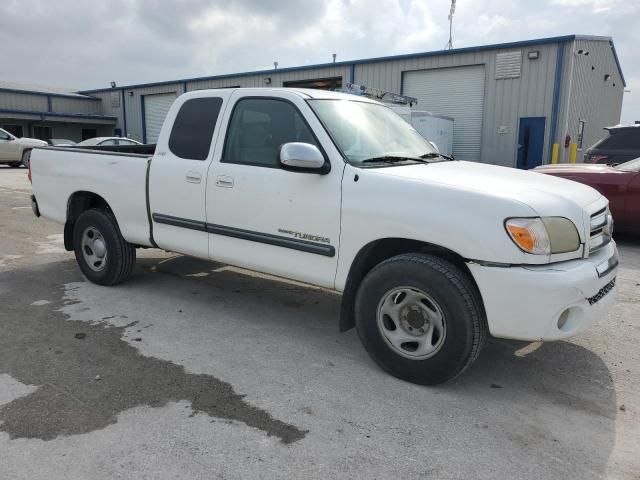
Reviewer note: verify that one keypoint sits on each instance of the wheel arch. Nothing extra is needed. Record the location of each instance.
(78, 203)
(379, 250)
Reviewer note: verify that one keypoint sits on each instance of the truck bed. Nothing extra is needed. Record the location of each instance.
(119, 178)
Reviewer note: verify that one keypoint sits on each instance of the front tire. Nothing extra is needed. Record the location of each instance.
(25, 158)
(103, 255)
(420, 318)
(15, 164)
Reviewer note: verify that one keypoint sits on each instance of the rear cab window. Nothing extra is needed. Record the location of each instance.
(627, 139)
(192, 131)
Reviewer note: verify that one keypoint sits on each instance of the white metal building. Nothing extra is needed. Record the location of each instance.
(510, 102)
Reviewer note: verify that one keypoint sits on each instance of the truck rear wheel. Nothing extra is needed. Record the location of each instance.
(15, 164)
(420, 318)
(103, 255)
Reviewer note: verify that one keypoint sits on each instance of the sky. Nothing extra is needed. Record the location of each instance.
(85, 44)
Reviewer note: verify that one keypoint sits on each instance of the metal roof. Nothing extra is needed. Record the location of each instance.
(13, 87)
(480, 48)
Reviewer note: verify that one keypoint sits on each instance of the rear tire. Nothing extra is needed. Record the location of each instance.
(103, 255)
(420, 318)
(15, 164)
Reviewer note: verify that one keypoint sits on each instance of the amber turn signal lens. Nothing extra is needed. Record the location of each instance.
(522, 237)
(529, 234)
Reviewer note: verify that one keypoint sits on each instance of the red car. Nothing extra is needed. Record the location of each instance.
(620, 184)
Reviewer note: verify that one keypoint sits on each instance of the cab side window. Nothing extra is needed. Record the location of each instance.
(259, 127)
(193, 128)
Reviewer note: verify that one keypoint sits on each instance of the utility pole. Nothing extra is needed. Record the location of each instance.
(452, 10)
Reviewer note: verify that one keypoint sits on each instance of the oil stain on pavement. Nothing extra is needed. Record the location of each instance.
(85, 381)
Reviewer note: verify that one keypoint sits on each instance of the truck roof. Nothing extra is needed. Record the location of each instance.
(306, 93)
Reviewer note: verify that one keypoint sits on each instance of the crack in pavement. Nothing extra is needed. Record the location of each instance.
(71, 399)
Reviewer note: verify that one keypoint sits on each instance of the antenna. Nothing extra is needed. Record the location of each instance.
(452, 10)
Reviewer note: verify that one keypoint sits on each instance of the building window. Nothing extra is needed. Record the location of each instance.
(333, 83)
(88, 133)
(42, 133)
(15, 130)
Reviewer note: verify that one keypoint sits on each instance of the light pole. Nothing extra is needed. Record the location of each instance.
(452, 10)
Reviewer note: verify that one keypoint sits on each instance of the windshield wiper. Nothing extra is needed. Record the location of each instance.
(393, 159)
(437, 154)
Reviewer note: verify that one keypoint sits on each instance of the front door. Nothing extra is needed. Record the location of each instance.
(261, 216)
(9, 147)
(632, 203)
(530, 142)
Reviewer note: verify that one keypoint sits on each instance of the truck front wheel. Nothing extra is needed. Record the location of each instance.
(420, 318)
(103, 255)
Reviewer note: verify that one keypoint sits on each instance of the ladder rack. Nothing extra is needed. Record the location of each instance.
(378, 94)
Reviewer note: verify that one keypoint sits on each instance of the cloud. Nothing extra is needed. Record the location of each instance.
(87, 44)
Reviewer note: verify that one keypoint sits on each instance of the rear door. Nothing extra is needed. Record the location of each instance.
(261, 216)
(178, 174)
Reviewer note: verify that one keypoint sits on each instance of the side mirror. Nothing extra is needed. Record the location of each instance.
(302, 156)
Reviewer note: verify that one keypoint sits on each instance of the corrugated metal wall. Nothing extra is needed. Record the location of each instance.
(108, 107)
(23, 101)
(277, 79)
(506, 100)
(40, 103)
(593, 100)
(75, 105)
(133, 104)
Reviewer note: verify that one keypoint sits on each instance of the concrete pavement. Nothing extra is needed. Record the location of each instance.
(198, 370)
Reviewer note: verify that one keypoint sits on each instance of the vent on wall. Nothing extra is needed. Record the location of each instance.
(508, 64)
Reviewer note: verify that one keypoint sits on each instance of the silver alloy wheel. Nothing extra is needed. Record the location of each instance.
(411, 322)
(94, 249)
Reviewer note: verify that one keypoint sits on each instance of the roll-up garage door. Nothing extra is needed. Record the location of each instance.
(156, 108)
(456, 92)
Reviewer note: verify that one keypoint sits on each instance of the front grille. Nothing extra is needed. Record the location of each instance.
(601, 229)
(602, 292)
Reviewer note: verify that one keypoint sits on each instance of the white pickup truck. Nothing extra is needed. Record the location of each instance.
(430, 254)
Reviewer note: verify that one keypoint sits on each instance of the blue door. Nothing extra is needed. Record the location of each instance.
(530, 142)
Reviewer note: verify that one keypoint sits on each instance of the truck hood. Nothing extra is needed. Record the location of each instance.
(32, 142)
(571, 168)
(545, 194)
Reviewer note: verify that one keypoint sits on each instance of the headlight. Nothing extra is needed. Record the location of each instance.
(544, 236)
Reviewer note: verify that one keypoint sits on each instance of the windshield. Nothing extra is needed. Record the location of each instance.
(363, 130)
(630, 166)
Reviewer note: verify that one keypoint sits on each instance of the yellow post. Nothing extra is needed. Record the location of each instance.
(554, 153)
(573, 153)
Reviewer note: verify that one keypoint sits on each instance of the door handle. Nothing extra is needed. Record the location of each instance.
(194, 177)
(224, 181)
